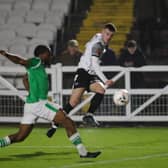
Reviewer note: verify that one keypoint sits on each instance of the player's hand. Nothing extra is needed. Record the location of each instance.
(109, 83)
(2, 52)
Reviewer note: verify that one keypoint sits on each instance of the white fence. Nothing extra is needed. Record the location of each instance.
(145, 104)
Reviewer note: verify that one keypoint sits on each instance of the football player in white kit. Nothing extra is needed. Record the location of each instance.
(89, 77)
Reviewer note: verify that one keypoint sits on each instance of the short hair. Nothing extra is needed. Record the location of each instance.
(41, 49)
(111, 27)
(131, 44)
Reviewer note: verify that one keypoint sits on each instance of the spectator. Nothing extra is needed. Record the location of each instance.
(133, 57)
(72, 54)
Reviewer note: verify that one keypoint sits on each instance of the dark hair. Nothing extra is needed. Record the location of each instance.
(111, 27)
(131, 44)
(41, 49)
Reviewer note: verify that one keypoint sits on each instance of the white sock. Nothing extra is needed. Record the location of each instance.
(8, 141)
(76, 140)
(53, 125)
(81, 150)
(5, 141)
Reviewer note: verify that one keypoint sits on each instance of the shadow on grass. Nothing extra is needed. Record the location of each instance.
(38, 154)
(6, 159)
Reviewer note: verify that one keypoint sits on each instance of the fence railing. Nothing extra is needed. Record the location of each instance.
(146, 104)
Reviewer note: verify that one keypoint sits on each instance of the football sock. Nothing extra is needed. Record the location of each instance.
(5, 141)
(95, 102)
(68, 108)
(54, 125)
(76, 140)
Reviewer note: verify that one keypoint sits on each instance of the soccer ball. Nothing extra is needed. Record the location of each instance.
(121, 97)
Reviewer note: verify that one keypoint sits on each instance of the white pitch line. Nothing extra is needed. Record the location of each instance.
(116, 160)
(71, 146)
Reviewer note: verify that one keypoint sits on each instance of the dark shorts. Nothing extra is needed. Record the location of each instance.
(83, 79)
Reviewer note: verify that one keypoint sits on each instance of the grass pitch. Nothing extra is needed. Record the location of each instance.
(121, 148)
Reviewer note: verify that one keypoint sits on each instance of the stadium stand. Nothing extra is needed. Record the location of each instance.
(103, 11)
(20, 49)
(35, 17)
(78, 12)
(150, 29)
(24, 24)
(26, 20)
(29, 19)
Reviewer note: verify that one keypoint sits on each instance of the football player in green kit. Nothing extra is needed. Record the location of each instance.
(37, 106)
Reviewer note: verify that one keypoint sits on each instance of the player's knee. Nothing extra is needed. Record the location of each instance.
(60, 117)
(74, 102)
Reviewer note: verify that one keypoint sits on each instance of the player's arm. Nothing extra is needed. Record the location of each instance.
(26, 82)
(96, 52)
(14, 58)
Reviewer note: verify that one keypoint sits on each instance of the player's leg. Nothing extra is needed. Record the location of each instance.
(98, 88)
(52, 129)
(80, 84)
(23, 132)
(74, 100)
(73, 135)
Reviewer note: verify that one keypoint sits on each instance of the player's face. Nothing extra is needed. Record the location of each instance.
(107, 35)
(45, 57)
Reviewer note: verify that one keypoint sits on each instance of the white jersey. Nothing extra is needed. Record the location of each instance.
(95, 47)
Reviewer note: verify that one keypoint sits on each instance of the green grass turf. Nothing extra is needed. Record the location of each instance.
(121, 148)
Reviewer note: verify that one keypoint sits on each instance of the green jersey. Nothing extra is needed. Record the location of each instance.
(38, 80)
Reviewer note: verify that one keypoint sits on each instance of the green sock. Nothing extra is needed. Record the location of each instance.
(5, 142)
(76, 140)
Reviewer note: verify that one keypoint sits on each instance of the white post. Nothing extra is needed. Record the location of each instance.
(128, 87)
(59, 82)
(56, 83)
(53, 81)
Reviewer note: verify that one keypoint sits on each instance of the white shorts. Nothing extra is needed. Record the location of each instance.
(42, 109)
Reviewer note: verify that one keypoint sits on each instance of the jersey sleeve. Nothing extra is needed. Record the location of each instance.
(96, 66)
(97, 50)
(33, 63)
